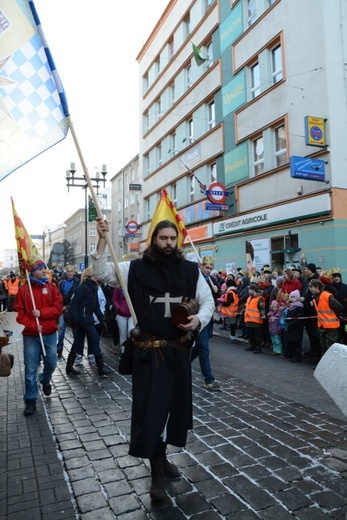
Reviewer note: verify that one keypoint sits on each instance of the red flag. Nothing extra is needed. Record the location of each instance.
(166, 210)
(27, 251)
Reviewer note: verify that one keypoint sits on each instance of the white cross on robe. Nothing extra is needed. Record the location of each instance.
(167, 300)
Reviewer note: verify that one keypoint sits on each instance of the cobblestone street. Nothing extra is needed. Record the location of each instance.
(251, 454)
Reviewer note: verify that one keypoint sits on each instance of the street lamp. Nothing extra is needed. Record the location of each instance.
(75, 182)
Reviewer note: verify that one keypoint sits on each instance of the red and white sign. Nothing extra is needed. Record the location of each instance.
(217, 193)
(132, 226)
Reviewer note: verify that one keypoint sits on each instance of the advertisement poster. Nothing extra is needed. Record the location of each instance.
(257, 253)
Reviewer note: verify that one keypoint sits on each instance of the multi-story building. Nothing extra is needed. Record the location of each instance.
(126, 208)
(265, 115)
(10, 259)
(83, 239)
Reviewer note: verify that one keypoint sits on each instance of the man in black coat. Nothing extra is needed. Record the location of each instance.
(341, 297)
(161, 367)
(310, 312)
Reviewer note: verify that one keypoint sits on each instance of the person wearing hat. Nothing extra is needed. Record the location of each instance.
(254, 317)
(12, 286)
(328, 311)
(67, 287)
(310, 312)
(39, 315)
(341, 290)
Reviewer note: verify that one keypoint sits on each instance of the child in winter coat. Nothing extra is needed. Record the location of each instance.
(295, 328)
(275, 329)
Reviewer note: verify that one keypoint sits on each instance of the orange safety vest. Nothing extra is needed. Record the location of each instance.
(231, 310)
(327, 318)
(252, 313)
(12, 287)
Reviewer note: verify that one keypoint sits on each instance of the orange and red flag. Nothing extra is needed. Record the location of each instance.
(166, 210)
(26, 248)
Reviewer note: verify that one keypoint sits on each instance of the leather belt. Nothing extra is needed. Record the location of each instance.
(157, 343)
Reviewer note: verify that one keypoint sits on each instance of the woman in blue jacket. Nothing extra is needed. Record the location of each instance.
(83, 305)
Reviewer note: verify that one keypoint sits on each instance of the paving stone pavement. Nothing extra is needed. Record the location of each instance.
(252, 454)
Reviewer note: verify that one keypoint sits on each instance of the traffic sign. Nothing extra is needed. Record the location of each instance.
(132, 226)
(217, 193)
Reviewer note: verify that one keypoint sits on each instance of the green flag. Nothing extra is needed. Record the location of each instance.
(196, 52)
(92, 214)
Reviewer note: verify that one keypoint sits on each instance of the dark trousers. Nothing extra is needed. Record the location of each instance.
(255, 337)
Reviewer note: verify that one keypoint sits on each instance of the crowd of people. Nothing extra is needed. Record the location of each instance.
(272, 308)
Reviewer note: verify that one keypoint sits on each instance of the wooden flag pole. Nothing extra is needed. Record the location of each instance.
(97, 207)
(34, 307)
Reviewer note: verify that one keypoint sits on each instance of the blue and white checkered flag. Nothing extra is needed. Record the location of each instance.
(33, 107)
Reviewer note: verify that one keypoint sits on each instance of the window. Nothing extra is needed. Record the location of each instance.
(173, 144)
(258, 156)
(174, 194)
(157, 66)
(191, 188)
(209, 54)
(126, 203)
(211, 115)
(276, 65)
(148, 209)
(132, 174)
(119, 184)
(255, 81)
(172, 94)
(132, 199)
(186, 23)
(280, 146)
(213, 172)
(160, 158)
(171, 50)
(188, 77)
(159, 112)
(251, 12)
(92, 232)
(92, 246)
(146, 164)
(146, 122)
(190, 127)
(145, 83)
(126, 179)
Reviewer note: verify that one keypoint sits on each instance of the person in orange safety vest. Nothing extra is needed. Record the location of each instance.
(254, 316)
(328, 309)
(12, 286)
(228, 306)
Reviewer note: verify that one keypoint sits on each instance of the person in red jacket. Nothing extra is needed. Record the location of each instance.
(39, 320)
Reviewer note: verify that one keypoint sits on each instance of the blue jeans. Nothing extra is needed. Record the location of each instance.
(61, 332)
(32, 349)
(201, 348)
(92, 337)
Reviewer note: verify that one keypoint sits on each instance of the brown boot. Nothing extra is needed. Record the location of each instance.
(157, 491)
(170, 470)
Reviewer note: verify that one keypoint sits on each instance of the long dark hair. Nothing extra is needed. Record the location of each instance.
(151, 252)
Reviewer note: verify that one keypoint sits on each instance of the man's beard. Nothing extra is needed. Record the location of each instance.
(166, 252)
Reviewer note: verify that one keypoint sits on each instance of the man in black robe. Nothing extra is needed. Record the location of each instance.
(161, 375)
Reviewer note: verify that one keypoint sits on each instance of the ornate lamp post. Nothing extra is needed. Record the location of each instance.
(79, 182)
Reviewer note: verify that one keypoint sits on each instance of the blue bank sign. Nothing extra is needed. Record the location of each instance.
(306, 168)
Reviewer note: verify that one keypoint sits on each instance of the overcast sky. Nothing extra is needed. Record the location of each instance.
(94, 46)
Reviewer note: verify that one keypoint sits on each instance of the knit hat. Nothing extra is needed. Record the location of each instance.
(311, 267)
(325, 280)
(295, 294)
(297, 270)
(255, 287)
(35, 263)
